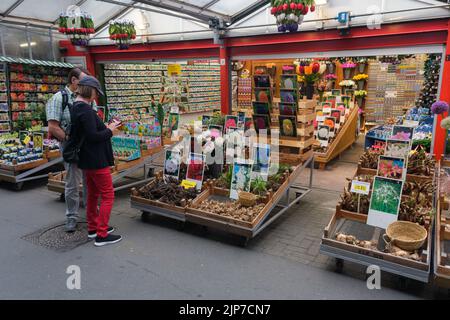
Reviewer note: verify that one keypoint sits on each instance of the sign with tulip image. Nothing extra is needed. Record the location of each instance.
(290, 13)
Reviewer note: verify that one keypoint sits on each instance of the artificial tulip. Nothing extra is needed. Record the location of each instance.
(308, 70)
(273, 10)
(313, 8)
(301, 69)
(300, 7)
(293, 6)
(315, 67)
(285, 7)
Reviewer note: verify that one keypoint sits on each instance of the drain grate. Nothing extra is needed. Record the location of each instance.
(56, 238)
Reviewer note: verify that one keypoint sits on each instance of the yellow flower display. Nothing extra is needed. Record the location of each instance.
(361, 76)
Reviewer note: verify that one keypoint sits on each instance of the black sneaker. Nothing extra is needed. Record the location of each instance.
(93, 234)
(71, 225)
(109, 239)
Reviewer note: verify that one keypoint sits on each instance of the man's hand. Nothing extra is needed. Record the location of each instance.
(55, 130)
(113, 126)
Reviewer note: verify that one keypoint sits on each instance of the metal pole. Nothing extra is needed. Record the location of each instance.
(30, 52)
(2, 41)
(52, 49)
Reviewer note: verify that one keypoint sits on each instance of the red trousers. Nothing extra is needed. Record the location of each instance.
(99, 184)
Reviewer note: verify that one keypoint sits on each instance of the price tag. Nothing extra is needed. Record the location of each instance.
(360, 187)
(27, 140)
(188, 184)
(174, 69)
(391, 94)
(174, 109)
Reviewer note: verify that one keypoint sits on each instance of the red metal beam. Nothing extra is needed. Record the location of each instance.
(416, 27)
(440, 134)
(438, 37)
(224, 79)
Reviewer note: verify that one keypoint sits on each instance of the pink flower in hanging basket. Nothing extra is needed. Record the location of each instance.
(348, 65)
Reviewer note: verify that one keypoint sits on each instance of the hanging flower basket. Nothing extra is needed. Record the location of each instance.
(77, 26)
(290, 13)
(348, 69)
(122, 32)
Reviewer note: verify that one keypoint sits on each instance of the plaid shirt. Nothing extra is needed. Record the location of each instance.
(54, 108)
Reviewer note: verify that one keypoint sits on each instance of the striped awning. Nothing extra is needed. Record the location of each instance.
(36, 62)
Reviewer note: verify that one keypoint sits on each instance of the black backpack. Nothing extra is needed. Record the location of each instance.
(72, 148)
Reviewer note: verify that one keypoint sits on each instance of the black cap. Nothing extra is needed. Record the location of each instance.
(91, 82)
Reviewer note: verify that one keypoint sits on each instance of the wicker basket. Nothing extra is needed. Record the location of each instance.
(406, 235)
(247, 199)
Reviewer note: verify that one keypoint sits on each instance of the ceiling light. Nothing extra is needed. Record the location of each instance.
(24, 45)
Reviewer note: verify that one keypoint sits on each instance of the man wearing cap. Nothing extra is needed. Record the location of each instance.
(95, 159)
(58, 117)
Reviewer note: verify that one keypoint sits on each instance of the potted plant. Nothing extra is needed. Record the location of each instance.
(346, 84)
(78, 26)
(159, 112)
(360, 95)
(360, 80)
(122, 32)
(321, 87)
(348, 68)
(331, 78)
(290, 13)
(311, 74)
(362, 62)
(331, 66)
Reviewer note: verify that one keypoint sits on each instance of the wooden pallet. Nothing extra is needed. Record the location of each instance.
(296, 159)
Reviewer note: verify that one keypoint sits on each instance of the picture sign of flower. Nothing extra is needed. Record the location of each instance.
(172, 164)
(241, 178)
(122, 32)
(77, 25)
(391, 167)
(384, 202)
(196, 169)
(290, 13)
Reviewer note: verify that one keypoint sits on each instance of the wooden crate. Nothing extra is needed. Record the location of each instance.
(23, 167)
(124, 165)
(52, 154)
(341, 215)
(307, 104)
(195, 215)
(297, 158)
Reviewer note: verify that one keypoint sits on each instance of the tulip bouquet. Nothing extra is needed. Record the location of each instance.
(122, 32)
(348, 65)
(290, 13)
(361, 77)
(310, 73)
(78, 27)
(347, 83)
(330, 76)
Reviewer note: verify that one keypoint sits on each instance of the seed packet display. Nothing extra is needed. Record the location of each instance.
(216, 130)
(335, 92)
(288, 96)
(196, 169)
(231, 121)
(397, 148)
(326, 105)
(323, 135)
(336, 113)
(241, 178)
(174, 121)
(331, 122)
(403, 133)
(172, 164)
(248, 123)
(288, 82)
(261, 122)
(391, 167)
(38, 140)
(261, 108)
(262, 81)
(263, 95)
(261, 161)
(241, 118)
(22, 136)
(288, 126)
(384, 202)
(320, 117)
(205, 120)
(288, 109)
